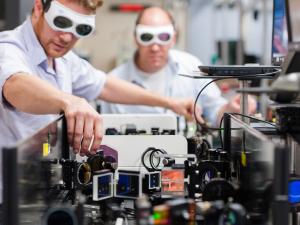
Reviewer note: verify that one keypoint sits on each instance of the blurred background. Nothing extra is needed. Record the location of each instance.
(216, 31)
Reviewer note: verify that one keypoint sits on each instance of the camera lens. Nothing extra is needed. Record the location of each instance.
(60, 216)
(84, 173)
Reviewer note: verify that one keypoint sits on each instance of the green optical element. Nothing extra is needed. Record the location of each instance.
(156, 216)
(231, 218)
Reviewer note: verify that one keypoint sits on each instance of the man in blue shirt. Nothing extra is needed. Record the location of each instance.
(155, 66)
(40, 76)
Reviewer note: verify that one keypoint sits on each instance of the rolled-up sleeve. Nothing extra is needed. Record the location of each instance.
(87, 81)
(12, 61)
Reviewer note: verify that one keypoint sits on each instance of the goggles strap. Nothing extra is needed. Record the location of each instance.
(46, 4)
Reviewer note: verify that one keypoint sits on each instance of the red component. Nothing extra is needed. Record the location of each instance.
(128, 7)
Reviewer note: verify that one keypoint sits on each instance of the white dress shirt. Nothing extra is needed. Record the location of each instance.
(174, 85)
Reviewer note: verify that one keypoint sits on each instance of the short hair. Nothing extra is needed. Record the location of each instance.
(89, 4)
(140, 15)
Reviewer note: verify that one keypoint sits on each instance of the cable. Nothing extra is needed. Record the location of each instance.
(143, 158)
(204, 125)
(220, 127)
(152, 152)
(220, 132)
(155, 167)
(251, 117)
(217, 78)
(197, 98)
(239, 114)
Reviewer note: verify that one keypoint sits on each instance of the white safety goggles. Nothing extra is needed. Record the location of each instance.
(61, 18)
(148, 35)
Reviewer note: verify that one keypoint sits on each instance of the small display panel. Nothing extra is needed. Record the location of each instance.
(102, 186)
(280, 32)
(154, 180)
(128, 185)
(172, 181)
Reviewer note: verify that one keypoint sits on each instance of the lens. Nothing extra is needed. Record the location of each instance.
(84, 173)
(60, 216)
(146, 37)
(62, 22)
(83, 29)
(164, 37)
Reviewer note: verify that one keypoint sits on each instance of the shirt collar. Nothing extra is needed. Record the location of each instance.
(34, 47)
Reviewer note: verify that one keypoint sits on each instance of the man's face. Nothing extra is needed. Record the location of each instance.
(57, 43)
(153, 57)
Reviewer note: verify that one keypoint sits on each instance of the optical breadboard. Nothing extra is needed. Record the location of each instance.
(131, 147)
(141, 121)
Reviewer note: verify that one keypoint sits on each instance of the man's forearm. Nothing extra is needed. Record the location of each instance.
(32, 95)
(118, 91)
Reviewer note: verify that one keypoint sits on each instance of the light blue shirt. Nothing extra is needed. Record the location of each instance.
(175, 86)
(20, 51)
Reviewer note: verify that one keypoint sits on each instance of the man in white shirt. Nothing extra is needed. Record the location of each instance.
(155, 66)
(40, 76)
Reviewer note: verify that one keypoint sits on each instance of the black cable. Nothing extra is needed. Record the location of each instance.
(251, 117)
(155, 167)
(207, 143)
(223, 78)
(143, 158)
(220, 132)
(217, 78)
(152, 151)
(197, 98)
(239, 114)
(195, 105)
(200, 92)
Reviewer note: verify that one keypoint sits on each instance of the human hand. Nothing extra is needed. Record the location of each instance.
(234, 105)
(84, 126)
(185, 107)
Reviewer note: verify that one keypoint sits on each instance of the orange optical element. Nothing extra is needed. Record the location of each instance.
(161, 215)
(172, 180)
